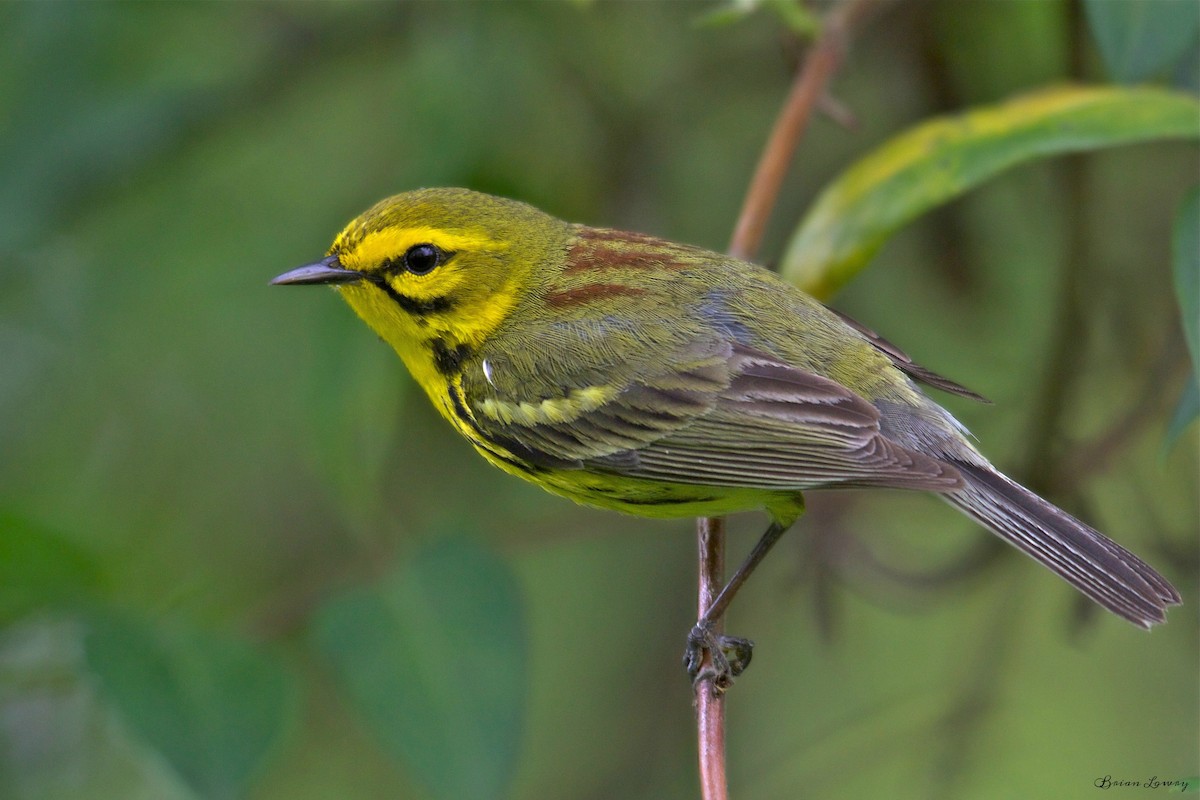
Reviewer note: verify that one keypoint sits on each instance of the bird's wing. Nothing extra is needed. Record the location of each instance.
(778, 427)
(713, 413)
(905, 363)
(602, 401)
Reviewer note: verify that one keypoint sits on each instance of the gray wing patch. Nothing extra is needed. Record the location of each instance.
(778, 427)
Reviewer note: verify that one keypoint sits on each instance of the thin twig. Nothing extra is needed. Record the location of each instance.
(710, 705)
(807, 92)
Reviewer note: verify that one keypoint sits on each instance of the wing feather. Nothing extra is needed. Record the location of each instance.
(905, 363)
(727, 415)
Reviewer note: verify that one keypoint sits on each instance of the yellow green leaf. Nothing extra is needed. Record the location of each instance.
(945, 157)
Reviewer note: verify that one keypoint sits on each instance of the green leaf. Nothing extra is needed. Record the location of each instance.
(796, 16)
(727, 14)
(792, 13)
(941, 159)
(1141, 38)
(434, 660)
(39, 569)
(213, 706)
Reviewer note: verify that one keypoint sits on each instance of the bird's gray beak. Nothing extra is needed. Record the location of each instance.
(327, 270)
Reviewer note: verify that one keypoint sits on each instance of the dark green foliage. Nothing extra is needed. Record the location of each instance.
(435, 659)
(212, 705)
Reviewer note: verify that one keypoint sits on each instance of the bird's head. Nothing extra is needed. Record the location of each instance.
(438, 264)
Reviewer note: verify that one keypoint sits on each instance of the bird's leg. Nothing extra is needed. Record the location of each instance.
(728, 655)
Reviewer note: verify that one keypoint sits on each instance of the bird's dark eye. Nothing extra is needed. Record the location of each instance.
(422, 258)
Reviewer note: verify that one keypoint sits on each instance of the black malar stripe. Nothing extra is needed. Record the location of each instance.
(434, 305)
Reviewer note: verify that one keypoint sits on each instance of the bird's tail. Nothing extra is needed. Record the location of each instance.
(1090, 561)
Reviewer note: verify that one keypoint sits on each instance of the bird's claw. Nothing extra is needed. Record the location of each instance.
(727, 656)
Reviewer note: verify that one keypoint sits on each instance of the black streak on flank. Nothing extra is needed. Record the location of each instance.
(419, 308)
(483, 441)
(448, 360)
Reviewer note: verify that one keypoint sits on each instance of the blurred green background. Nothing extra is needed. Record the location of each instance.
(241, 557)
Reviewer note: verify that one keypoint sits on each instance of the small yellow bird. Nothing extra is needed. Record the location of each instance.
(663, 380)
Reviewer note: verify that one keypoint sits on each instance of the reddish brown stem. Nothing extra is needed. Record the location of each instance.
(710, 705)
(807, 91)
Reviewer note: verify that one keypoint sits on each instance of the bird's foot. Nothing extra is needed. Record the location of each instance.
(727, 656)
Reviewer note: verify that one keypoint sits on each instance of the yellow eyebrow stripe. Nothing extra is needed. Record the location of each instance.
(378, 246)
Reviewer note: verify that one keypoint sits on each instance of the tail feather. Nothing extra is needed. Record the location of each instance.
(1091, 562)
